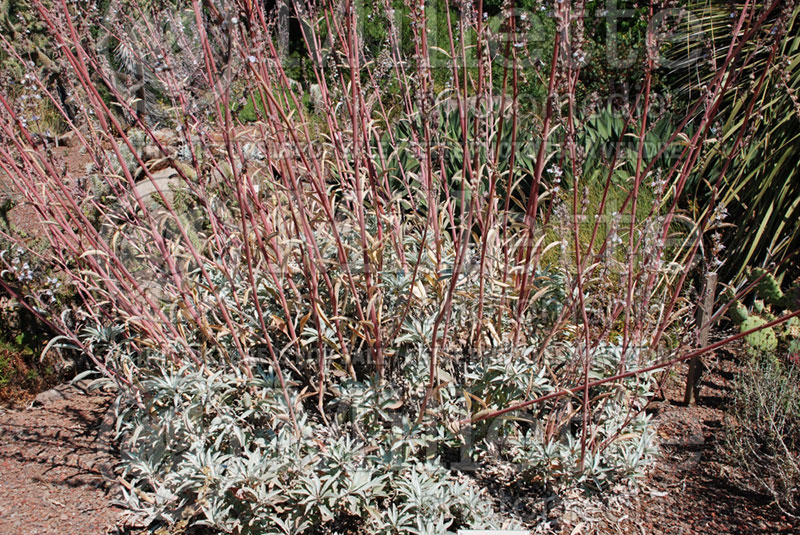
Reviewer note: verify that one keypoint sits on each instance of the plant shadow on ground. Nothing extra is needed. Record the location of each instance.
(57, 457)
(693, 487)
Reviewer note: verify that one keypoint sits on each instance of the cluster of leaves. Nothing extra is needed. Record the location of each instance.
(34, 51)
(30, 292)
(214, 446)
(541, 446)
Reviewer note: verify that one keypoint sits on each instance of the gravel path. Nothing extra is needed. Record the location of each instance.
(53, 459)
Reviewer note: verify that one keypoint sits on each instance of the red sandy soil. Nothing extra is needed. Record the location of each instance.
(56, 458)
(692, 490)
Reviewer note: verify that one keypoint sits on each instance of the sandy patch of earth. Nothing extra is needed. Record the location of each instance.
(56, 458)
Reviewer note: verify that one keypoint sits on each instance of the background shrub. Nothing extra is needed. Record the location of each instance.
(762, 437)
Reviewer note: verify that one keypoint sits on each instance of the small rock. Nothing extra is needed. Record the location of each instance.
(316, 96)
(70, 139)
(252, 152)
(59, 393)
(151, 152)
(166, 137)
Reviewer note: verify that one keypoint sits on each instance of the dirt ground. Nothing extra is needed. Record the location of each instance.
(56, 460)
(692, 490)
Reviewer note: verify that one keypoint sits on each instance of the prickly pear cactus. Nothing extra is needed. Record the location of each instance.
(768, 288)
(769, 302)
(738, 312)
(763, 341)
(793, 328)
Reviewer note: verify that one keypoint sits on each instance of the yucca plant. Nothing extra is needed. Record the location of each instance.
(759, 124)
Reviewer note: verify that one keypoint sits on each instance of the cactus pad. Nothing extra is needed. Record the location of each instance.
(768, 288)
(793, 328)
(737, 312)
(763, 341)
